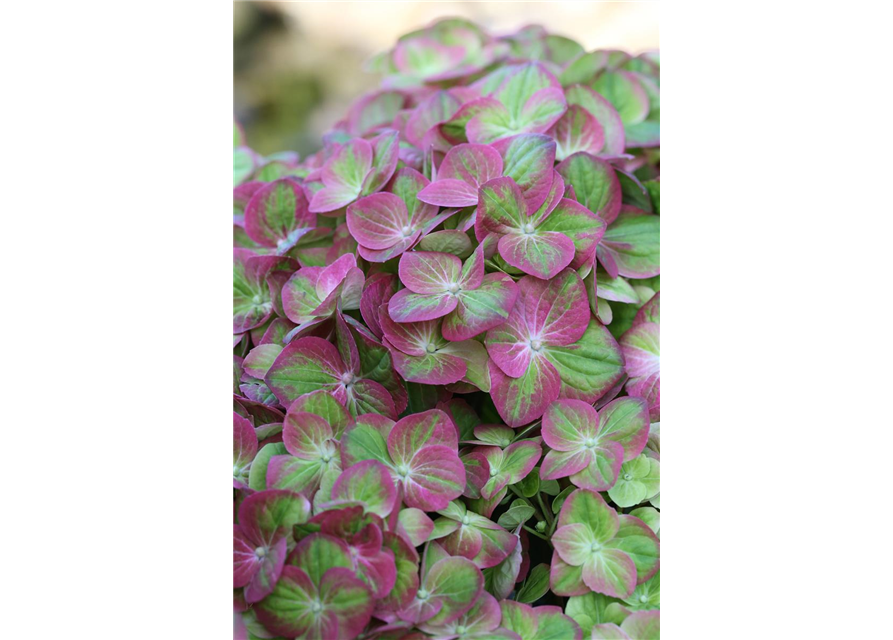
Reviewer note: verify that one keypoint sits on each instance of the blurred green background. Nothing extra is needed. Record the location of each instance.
(297, 66)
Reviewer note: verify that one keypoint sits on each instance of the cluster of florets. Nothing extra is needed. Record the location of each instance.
(446, 352)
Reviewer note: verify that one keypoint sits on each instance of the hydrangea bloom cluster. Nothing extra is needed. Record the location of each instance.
(446, 332)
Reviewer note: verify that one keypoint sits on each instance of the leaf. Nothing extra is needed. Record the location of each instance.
(536, 585)
(517, 514)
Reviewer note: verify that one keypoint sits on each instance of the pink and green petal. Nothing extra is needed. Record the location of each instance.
(528, 160)
(553, 624)
(522, 400)
(625, 421)
(588, 508)
(323, 404)
(632, 243)
(433, 478)
(608, 631)
(604, 112)
(502, 208)
(640, 543)
(347, 605)
(277, 214)
(343, 176)
(544, 109)
(419, 430)
(603, 470)
(244, 442)
(574, 543)
(577, 130)
(595, 184)
(567, 424)
(556, 311)
(580, 225)
(429, 272)
(450, 193)
(268, 516)
(518, 617)
(384, 161)
(368, 483)
(540, 253)
(319, 552)
(481, 309)
(406, 306)
(304, 366)
(287, 610)
(590, 367)
(611, 572)
(476, 360)
(560, 464)
(260, 359)
(565, 579)
(416, 526)
(431, 368)
(379, 221)
(642, 625)
(473, 164)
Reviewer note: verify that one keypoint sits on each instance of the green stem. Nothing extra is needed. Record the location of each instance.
(547, 512)
(536, 533)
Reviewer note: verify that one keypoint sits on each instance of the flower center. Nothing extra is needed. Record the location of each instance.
(627, 476)
(316, 607)
(461, 629)
(347, 379)
(454, 288)
(422, 594)
(430, 348)
(326, 457)
(256, 299)
(406, 231)
(643, 598)
(402, 471)
(494, 472)
(589, 443)
(536, 345)
(528, 228)
(466, 519)
(260, 552)
(236, 471)
(595, 546)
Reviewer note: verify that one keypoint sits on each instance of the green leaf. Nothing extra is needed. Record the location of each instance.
(536, 585)
(529, 486)
(518, 513)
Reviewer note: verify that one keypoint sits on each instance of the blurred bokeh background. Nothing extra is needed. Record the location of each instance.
(299, 65)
